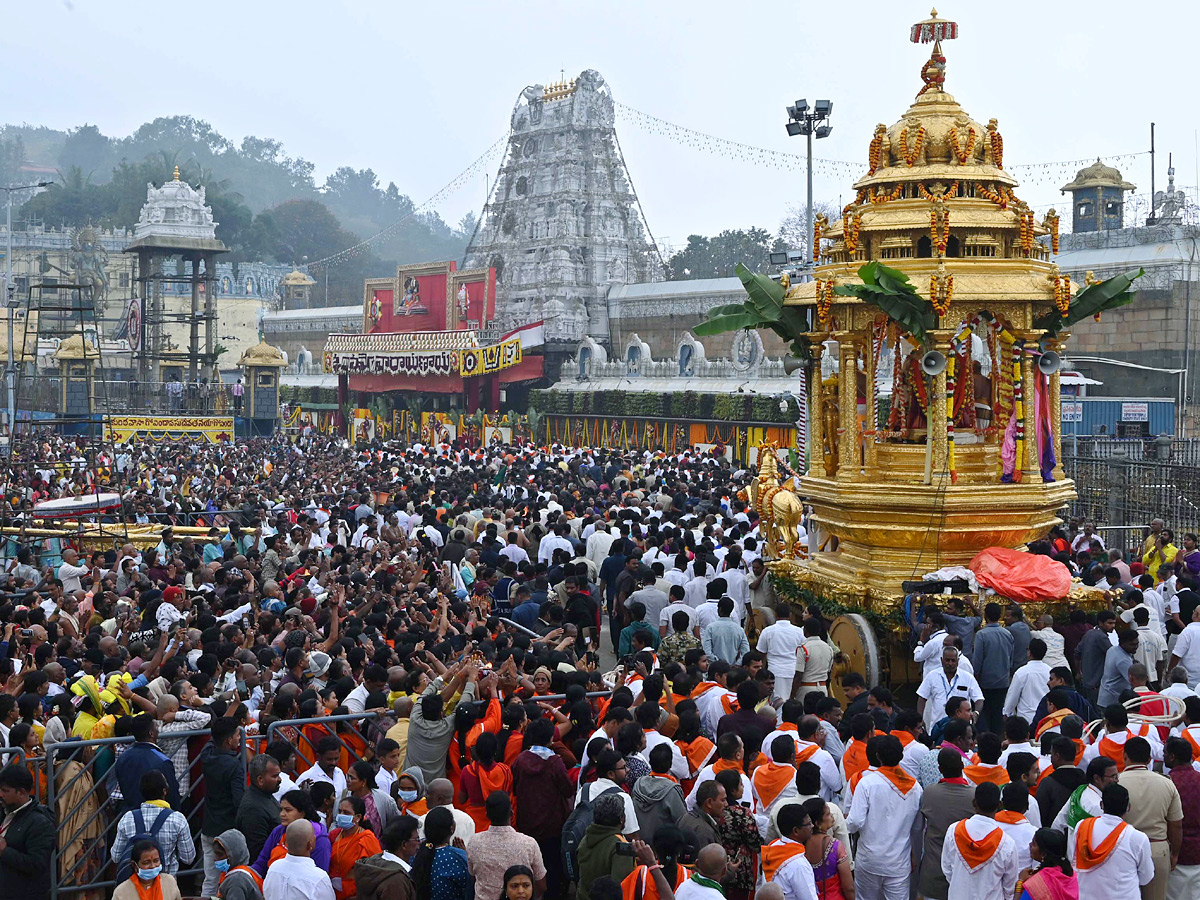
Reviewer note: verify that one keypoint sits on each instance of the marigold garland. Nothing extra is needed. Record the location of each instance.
(960, 154)
(1062, 293)
(1051, 222)
(875, 151)
(859, 198)
(949, 194)
(816, 245)
(997, 143)
(940, 297)
(824, 301)
(880, 197)
(939, 227)
(910, 156)
(850, 229)
(987, 193)
(1025, 231)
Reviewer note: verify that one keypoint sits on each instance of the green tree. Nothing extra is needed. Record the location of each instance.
(718, 257)
(89, 150)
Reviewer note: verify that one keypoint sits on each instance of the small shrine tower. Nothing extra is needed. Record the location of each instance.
(296, 288)
(1097, 198)
(175, 240)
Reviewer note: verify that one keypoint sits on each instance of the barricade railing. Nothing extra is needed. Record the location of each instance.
(353, 744)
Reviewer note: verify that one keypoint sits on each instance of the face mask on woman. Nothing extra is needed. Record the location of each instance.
(343, 820)
(221, 865)
(407, 796)
(149, 874)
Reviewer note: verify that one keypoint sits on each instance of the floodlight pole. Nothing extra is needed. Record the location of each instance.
(808, 217)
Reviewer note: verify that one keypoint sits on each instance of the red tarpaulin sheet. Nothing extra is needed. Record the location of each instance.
(1021, 576)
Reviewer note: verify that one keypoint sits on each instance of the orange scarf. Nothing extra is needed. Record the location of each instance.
(976, 853)
(151, 891)
(806, 754)
(345, 852)
(639, 885)
(900, 779)
(724, 765)
(416, 809)
(978, 774)
(904, 737)
(701, 689)
(857, 777)
(1088, 857)
(1009, 817)
(776, 853)
(1079, 748)
(1115, 750)
(258, 879)
(772, 779)
(697, 752)
(855, 758)
(1050, 720)
(1190, 734)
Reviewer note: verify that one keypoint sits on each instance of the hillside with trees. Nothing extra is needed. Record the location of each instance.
(268, 205)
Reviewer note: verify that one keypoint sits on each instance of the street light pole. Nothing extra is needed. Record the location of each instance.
(10, 301)
(810, 122)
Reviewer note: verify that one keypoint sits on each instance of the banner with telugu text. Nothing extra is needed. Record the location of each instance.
(211, 429)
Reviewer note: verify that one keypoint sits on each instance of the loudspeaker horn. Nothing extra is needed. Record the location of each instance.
(933, 363)
(1049, 362)
(791, 365)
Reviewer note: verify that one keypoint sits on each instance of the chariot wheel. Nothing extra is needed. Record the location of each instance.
(853, 635)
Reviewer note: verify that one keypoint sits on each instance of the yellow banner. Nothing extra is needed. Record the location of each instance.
(213, 429)
(486, 360)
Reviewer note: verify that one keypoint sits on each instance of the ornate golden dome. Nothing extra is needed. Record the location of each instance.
(263, 354)
(296, 277)
(1098, 175)
(76, 347)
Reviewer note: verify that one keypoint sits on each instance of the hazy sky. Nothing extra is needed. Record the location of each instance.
(418, 91)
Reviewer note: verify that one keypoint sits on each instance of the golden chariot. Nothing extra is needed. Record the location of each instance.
(934, 274)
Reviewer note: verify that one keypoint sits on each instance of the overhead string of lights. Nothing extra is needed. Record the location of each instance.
(466, 175)
(779, 159)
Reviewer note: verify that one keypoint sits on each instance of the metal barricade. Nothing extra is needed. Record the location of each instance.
(88, 813)
(306, 734)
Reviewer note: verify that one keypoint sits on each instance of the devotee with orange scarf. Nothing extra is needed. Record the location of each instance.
(352, 841)
(883, 812)
(785, 862)
(481, 777)
(978, 859)
(776, 779)
(148, 881)
(1112, 859)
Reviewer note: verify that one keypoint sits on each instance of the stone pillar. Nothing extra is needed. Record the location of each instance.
(816, 437)
(194, 323)
(935, 414)
(210, 311)
(849, 456)
(1030, 467)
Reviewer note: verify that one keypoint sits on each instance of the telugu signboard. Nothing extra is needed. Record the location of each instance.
(1135, 412)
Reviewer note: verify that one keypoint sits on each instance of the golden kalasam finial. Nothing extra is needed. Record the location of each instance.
(177, 173)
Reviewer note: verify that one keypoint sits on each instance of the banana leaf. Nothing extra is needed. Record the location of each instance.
(728, 309)
(766, 295)
(726, 323)
(892, 292)
(1100, 297)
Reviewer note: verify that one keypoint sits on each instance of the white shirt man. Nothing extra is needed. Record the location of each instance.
(316, 773)
(738, 588)
(973, 873)
(1056, 647)
(679, 765)
(781, 642)
(929, 653)
(297, 878)
(1022, 833)
(692, 889)
(1120, 873)
(666, 617)
(1187, 648)
(937, 687)
(794, 875)
(831, 776)
(695, 591)
(549, 544)
(1029, 685)
(514, 553)
(599, 542)
(813, 665)
(883, 818)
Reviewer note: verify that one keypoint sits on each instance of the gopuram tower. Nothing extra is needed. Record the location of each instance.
(563, 222)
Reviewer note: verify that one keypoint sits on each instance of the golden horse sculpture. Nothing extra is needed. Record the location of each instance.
(778, 507)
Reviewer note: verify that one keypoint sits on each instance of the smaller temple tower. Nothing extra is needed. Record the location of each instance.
(1098, 198)
(296, 288)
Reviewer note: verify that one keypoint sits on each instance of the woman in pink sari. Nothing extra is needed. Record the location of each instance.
(1053, 878)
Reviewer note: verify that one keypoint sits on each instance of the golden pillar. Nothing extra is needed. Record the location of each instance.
(1055, 380)
(849, 457)
(935, 415)
(816, 437)
(1030, 467)
(871, 419)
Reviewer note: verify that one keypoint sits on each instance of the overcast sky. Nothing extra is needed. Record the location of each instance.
(416, 91)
